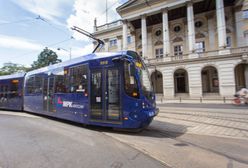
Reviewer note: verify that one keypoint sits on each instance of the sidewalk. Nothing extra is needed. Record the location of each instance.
(214, 120)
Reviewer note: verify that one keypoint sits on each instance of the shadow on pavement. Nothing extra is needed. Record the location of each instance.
(156, 129)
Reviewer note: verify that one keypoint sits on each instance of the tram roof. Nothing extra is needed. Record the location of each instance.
(17, 75)
(73, 61)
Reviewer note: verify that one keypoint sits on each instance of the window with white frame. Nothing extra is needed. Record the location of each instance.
(159, 52)
(113, 42)
(228, 41)
(178, 50)
(200, 47)
(129, 39)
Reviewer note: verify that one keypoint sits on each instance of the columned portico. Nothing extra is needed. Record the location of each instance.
(124, 35)
(194, 44)
(221, 23)
(191, 27)
(166, 37)
(144, 36)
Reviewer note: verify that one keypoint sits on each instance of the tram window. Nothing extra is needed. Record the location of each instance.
(1, 92)
(60, 86)
(131, 86)
(37, 84)
(30, 85)
(78, 79)
(14, 88)
(5, 91)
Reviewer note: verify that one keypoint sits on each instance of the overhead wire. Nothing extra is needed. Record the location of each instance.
(50, 45)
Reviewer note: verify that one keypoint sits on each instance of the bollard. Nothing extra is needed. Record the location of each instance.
(180, 99)
(200, 99)
(224, 99)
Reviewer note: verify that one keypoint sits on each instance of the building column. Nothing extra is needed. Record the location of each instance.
(191, 27)
(241, 42)
(166, 36)
(144, 36)
(106, 45)
(124, 35)
(221, 23)
(119, 43)
(211, 31)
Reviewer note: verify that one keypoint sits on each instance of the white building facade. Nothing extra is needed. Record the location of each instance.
(193, 48)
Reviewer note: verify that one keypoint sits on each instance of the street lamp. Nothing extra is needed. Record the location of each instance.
(66, 51)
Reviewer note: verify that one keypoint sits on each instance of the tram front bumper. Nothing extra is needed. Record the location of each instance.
(153, 113)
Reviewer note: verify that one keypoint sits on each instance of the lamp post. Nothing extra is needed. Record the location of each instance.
(66, 51)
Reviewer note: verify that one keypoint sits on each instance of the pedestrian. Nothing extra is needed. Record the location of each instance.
(243, 93)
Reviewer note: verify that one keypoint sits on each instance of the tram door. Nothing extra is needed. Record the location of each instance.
(105, 95)
(48, 94)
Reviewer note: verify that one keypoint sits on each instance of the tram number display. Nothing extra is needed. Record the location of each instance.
(103, 62)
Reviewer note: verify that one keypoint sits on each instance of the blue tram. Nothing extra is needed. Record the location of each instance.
(11, 92)
(105, 89)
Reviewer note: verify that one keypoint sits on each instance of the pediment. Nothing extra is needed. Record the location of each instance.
(128, 4)
(134, 3)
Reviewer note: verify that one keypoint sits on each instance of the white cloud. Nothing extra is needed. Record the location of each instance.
(86, 11)
(19, 43)
(3, 21)
(75, 51)
(87, 49)
(48, 9)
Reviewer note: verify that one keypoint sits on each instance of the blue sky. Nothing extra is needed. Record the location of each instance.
(23, 36)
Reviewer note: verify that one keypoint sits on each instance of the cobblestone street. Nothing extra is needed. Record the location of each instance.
(195, 136)
(224, 122)
(181, 136)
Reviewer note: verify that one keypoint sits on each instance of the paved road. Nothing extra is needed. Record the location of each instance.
(29, 141)
(224, 122)
(195, 136)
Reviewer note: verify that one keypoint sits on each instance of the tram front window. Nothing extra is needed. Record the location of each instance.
(144, 76)
(131, 86)
(144, 79)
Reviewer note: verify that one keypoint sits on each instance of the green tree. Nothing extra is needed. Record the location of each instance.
(10, 68)
(45, 58)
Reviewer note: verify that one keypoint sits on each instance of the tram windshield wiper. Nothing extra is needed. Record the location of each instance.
(100, 43)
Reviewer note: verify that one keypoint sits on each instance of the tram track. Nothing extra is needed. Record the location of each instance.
(233, 119)
(200, 122)
(209, 111)
(178, 140)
